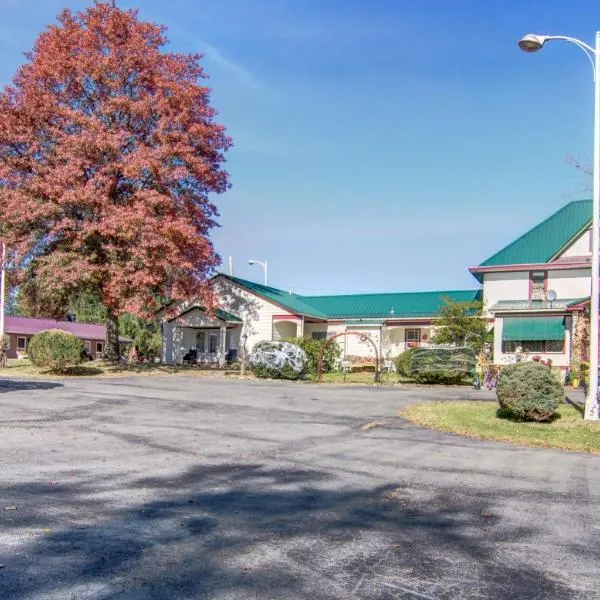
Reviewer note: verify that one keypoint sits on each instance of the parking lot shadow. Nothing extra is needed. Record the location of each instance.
(254, 531)
(12, 385)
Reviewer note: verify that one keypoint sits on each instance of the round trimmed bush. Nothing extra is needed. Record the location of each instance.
(529, 391)
(403, 362)
(278, 360)
(55, 350)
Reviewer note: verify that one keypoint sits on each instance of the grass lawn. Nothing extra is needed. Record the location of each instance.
(369, 378)
(364, 377)
(481, 419)
(97, 368)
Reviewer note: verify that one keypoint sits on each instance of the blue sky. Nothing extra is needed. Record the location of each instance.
(383, 145)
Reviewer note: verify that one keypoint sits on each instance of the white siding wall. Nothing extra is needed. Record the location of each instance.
(256, 313)
(570, 283)
(394, 336)
(580, 247)
(511, 285)
(356, 347)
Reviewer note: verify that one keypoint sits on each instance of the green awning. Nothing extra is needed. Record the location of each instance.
(519, 329)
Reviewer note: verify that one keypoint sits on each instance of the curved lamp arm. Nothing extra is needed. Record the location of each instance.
(533, 42)
(589, 51)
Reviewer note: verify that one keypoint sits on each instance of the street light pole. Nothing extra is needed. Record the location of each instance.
(592, 410)
(533, 43)
(264, 265)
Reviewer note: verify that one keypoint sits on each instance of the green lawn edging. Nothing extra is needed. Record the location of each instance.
(479, 419)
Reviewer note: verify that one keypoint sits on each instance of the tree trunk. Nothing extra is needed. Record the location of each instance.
(111, 344)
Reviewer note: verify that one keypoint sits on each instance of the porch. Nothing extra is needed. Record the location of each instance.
(194, 337)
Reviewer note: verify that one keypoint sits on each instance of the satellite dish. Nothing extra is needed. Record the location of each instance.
(550, 295)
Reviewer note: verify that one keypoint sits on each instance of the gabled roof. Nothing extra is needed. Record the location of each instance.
(219, 314)
(31, 326)
(293, 302)
(360, 306)
(547, 239)
(400, 305)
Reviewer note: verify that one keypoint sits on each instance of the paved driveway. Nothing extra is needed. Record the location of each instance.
(175, 488)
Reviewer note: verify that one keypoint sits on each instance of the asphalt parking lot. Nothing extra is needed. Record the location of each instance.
(181, 488)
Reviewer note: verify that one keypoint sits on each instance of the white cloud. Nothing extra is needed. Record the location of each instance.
(238, 71)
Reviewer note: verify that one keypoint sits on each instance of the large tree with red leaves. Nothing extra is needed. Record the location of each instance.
(108, 153)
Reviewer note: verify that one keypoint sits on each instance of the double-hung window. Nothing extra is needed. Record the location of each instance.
(537, 281)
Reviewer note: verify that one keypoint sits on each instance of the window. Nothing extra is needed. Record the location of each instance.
(201, 341)
(21, 343)
(319, 335)
(532, 346)
(99, 347)
(537, 285)
(87, 346)
(412, 335)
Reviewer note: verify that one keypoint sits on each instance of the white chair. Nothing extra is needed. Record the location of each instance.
(346, 366)
(389, 366)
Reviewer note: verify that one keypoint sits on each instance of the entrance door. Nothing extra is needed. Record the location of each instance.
(213, 343)
(201, 341)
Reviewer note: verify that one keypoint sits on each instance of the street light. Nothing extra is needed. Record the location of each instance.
(532, 43)
(264, 265)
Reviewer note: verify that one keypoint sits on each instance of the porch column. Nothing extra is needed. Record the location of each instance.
(300, 327)
(222, 338)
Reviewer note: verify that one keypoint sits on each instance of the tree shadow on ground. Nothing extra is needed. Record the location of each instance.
(12, 385)
(248, 531)
(505, 415)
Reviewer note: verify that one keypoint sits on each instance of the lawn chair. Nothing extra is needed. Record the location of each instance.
(346, 366)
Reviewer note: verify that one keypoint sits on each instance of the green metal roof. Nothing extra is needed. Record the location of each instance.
(225, 316)
(293, 302)
(219, 314)
(517, 329)
(547, 239)
(388, 306)
(360, 306)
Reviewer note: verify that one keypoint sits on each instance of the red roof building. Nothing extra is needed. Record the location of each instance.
(20, 330)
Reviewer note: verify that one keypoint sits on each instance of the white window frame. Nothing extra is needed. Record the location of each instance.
(536, 293)
(409, 339)
(101, 350)
(24, 347)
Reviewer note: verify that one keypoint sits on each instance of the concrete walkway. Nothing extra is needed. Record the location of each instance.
(176, 488)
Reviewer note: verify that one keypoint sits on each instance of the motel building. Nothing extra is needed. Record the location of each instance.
(534, 290)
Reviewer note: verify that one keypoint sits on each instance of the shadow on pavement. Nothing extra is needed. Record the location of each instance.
(12, 385)
(248, 531)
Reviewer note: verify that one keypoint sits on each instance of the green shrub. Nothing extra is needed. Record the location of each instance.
(440, 365)
(312, 348)
(278, 360)
(529, 391)
(55, 350)
(403, 362)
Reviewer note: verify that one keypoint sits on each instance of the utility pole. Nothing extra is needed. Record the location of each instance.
(2, 290)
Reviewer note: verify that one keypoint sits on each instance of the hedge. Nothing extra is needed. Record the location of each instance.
(439, 365)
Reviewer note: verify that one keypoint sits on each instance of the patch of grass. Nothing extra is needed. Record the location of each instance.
(485, 420)
(368, 378)
(22, 368)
